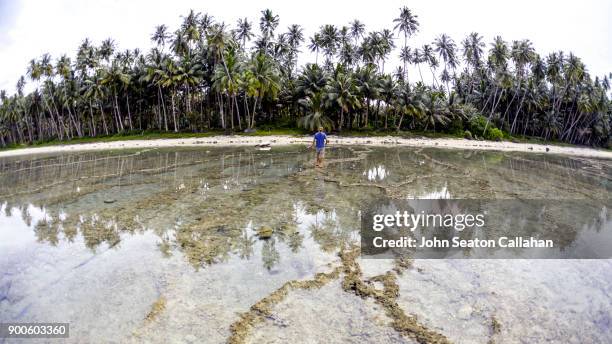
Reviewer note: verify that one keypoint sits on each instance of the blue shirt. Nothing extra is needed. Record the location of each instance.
(320, 138)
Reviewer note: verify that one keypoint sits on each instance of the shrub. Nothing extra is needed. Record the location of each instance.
(494, 134)
(478, 123)
(455, 127)
(467, 134)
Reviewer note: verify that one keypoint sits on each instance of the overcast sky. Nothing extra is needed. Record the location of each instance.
(29, 28)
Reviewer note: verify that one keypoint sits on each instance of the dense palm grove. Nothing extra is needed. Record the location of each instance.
(208, 75)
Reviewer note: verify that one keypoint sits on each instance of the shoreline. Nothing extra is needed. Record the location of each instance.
(277, 140)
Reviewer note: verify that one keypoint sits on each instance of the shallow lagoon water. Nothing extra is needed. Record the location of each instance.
(161, 245)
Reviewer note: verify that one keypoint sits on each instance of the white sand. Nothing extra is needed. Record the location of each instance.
(334, 141)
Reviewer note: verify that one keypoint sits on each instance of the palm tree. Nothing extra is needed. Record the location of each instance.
(409, 103)
(436, 111)
(113, 77)
(263, 74)
(95, 91)
(313, 79)
(155, 72)
(170, 79)
(408, 24)
(357, 30)
(315, 117)
(427, 55)
(347, 55)
(190, 29)
(388, 89)
(315, 45)
(226, 80)
(445, 47)
(64, 71)
(243, 31)
(522, 54)
(385, 46)
(329, 40)
(473, 48)
(368, 85)
(268, 23)
(417, 59)
(342, 92)
(46, 70)
(160, 36)
(209, 69)
(107, 48)
(406, 56)
(295, 37)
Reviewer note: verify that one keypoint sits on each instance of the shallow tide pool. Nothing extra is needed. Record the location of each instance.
(162, 246)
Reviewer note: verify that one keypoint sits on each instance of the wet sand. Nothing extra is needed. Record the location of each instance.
(333, 141)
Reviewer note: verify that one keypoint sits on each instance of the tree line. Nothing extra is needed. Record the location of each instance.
(210, 75)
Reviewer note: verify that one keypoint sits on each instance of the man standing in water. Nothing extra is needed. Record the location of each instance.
(319, 140)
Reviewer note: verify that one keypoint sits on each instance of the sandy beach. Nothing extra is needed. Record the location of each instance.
(333, 141)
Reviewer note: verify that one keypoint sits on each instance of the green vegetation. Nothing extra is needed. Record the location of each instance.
(208, 77)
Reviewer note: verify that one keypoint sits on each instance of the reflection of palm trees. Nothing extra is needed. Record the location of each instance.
(8, 210)
(244, 245)
(25, 214)
(47, 231)
(70, 232)
(269, 254)
(165, 246)
(289, 233)
(295, 241)
(96, 231)
(328, 233)
(210, 229)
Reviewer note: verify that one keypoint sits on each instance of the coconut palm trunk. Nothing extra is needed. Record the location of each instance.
(163, 106)
(174, 112)
(91, 118)
(127, 103)
(103, 119)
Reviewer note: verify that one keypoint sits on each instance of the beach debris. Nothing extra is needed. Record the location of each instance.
(494, 330)
(265, 232)
(495, 325)
(156, 309)
(264, 144)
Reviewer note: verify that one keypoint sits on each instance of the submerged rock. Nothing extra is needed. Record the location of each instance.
(265, 232)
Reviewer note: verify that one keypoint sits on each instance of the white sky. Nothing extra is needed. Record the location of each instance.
(29, 28)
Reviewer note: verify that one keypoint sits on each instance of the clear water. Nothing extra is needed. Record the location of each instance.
(98, 239)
